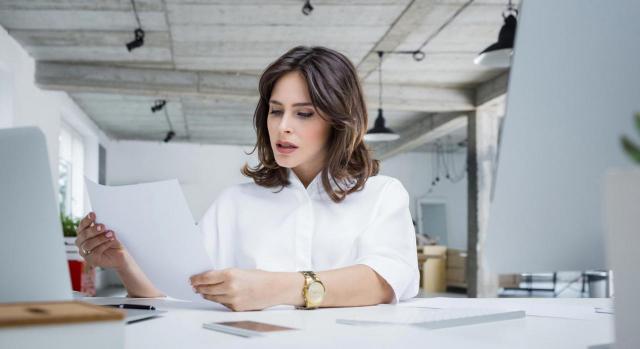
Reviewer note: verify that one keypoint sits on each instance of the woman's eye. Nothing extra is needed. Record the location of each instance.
(305, 115)
(276, 112)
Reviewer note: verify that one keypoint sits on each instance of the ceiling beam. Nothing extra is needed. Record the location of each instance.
(144, 81)
(427, 130)
(420, 98)
(238, 87)
(492, 89)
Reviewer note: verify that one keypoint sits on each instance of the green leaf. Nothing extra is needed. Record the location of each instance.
(69, 225)
(630, 148)
(637, 117)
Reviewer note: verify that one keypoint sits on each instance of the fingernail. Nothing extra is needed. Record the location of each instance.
(109, 234)
(99, 228)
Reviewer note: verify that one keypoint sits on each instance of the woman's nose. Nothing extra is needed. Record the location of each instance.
(285, 123)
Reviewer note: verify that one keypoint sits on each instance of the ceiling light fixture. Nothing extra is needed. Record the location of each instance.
(138, 33)
(158, 105)
(169, 136)
(379, 132)
(498, 55)
(307, 8)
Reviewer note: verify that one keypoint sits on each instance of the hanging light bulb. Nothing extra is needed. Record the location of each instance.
(379, 132)
(498, 55)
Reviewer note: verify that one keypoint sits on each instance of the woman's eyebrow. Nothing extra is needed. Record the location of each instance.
(295, 105)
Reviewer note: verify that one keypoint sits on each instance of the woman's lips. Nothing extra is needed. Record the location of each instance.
(285, 150)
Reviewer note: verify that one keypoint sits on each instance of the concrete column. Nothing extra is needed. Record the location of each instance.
(472, 202)
(488, 121)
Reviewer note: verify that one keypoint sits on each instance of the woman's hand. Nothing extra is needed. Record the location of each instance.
(243, 289)
(98, 245)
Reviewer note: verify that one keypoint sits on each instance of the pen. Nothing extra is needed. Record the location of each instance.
(132, 306)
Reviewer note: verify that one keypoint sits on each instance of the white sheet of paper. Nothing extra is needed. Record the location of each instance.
(154, 223)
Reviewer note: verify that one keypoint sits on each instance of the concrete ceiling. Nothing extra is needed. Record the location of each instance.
(204, 57)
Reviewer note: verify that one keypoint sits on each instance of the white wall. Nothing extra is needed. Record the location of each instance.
(25, 104)
(414, 170)
(205, 170)
(202, 170)
(6, 96)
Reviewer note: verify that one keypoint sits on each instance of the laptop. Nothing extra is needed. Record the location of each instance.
(33, 261)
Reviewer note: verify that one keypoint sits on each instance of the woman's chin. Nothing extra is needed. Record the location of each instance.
(286, 163)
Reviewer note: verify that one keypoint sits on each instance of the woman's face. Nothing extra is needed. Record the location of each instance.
(297, 132)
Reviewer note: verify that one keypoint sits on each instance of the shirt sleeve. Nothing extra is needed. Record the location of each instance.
(388, 244)
(214, 226)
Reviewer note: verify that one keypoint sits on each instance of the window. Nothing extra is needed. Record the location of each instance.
(70, 172)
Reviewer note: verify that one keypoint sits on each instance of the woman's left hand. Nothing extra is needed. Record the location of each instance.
(237, 289)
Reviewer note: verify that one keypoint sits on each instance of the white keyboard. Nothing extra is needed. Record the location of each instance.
(430, 318)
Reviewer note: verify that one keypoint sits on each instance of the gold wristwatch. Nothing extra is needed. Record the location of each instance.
(313, 291)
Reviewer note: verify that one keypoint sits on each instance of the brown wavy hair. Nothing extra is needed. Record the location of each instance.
(336, 92)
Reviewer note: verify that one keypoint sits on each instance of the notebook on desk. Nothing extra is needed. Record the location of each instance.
(430, 318)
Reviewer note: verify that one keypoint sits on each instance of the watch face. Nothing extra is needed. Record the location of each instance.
(316, 292)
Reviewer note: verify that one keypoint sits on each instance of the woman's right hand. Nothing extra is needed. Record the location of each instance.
(99, 245)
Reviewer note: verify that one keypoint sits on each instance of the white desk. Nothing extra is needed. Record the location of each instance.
(181, 327)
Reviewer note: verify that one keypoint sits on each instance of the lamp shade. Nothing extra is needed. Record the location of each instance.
(498, 55)
(379, 132)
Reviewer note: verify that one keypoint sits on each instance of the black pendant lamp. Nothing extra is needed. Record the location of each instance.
(379, 132)
(498, 55)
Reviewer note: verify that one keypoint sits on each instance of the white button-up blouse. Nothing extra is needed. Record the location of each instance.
(300, 228)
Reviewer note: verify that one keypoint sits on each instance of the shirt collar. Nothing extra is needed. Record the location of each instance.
(314, 188)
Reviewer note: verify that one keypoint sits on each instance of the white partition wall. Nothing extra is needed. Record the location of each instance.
(574, 87)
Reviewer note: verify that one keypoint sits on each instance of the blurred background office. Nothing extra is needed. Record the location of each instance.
(136, 91)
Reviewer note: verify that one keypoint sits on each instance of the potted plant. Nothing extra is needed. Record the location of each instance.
(622, 212)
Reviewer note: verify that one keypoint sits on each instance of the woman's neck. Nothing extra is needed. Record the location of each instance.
(307, 172)
(305, 176)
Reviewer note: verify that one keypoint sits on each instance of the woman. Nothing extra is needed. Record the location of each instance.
(317, 227)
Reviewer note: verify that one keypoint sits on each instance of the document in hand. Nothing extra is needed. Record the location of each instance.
(154, 223)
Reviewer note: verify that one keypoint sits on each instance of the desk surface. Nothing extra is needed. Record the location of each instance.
(181, 327)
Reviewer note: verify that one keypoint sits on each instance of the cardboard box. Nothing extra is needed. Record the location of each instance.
(456, 275)
(456, 258)
(433, 269)
(509, 280)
